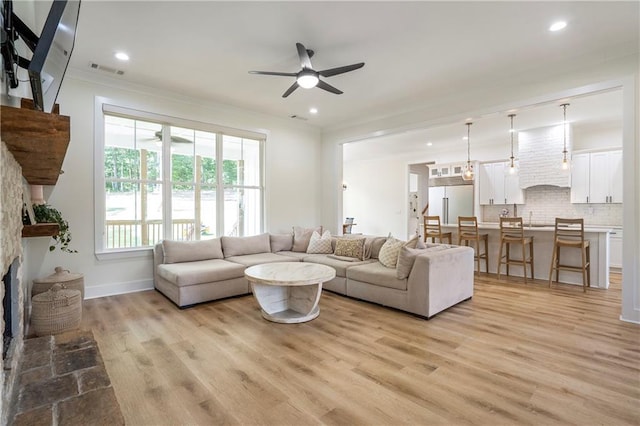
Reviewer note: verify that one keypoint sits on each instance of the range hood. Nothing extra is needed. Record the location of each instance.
(540, 157)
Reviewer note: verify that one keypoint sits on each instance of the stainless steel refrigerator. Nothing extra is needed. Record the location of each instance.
(449, 202)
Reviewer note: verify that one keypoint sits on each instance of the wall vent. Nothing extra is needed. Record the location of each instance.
(106, 69)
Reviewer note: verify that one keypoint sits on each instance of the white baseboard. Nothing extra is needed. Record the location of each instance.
(92, 292)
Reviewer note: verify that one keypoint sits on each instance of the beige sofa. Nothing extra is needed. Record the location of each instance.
(425, 282)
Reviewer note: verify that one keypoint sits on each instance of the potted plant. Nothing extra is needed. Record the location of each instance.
(44, 213)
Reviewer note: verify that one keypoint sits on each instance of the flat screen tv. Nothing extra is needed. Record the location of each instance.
(51, 51)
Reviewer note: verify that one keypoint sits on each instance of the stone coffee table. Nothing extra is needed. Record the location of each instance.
(288, 292)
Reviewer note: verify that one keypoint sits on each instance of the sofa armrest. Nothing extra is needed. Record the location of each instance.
(158, 259)
(440, 279)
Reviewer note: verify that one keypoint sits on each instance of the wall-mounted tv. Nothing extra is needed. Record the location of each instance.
(51, 51)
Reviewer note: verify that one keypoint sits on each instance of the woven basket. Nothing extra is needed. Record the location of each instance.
(70, 280)
(56, 311)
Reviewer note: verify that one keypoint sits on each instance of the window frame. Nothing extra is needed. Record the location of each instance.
(103, 107)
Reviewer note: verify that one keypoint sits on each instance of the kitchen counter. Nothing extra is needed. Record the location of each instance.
(543, 249)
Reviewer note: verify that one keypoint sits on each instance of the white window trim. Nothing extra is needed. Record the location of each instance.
(104, 105)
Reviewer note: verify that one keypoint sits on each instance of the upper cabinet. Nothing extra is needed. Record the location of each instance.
(497, 186)
(597, 177)
(445, 170)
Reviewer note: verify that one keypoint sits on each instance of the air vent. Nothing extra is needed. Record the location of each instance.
(297, 117)
(106, 69)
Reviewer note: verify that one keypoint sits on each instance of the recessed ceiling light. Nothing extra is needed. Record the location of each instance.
(464, 138)
(429, 143)
(313, 110)
(122, 56)
(557, 26)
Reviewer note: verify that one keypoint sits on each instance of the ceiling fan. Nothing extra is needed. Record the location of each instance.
(307, 77)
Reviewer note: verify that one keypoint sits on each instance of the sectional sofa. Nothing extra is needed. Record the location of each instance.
(422, 281)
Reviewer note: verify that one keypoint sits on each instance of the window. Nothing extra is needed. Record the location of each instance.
(161, 179)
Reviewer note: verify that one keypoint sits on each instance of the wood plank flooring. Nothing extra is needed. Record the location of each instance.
(514, 354)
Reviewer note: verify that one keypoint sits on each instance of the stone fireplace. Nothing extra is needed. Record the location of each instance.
(11, 271)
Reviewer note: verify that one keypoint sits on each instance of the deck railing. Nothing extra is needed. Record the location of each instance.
(133, 233)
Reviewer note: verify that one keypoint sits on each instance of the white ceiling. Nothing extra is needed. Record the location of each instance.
(415, 52)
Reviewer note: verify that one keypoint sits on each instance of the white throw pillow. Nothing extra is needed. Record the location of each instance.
(320, 244)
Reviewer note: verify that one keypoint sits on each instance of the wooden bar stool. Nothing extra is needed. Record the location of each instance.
(570, 233)
(468, 232)
(512, 232)
(432, 230)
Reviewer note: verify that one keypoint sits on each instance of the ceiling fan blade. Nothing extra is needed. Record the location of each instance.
(340, 70)
(284, 74)
(290, 90)
(328, 87)
(305, 61)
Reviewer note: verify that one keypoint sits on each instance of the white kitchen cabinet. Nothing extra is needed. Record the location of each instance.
(497, 186)
(597, 177)
(580, 178)
(441, 170)
(615, 249)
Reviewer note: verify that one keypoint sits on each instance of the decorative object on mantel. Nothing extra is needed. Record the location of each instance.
(565, 160)
(468, 171)
(47, 215)
(69, 280)
(512, 164)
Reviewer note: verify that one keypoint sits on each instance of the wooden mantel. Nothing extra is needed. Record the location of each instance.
(37, 140)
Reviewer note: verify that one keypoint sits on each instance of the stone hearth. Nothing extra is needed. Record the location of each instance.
(63, 381)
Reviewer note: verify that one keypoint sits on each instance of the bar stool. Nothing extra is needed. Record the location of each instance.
(432, 230)
(468, 232)
(570, 233)
(512, 232)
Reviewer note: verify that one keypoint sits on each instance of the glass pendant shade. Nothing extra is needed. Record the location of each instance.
(468, 170)
(565, 153)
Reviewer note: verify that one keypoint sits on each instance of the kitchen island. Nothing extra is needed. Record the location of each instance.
(543, 249)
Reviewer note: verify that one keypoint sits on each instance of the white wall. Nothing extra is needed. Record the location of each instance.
(292, 195)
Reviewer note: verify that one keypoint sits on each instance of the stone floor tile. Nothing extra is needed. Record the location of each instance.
(36, 417)
(43, 393)
(66, 362)
(35, 359)
(38, 374)
(38, 344)
(93, 378)
(74, 340)
(98, 407)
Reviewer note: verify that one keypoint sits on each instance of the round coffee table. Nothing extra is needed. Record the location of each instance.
(288, 292)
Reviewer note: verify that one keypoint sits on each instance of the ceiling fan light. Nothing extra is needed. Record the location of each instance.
(307, 81)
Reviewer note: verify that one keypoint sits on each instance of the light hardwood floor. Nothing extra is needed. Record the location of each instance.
(514, 354)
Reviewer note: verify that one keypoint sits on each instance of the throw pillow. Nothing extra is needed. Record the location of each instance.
(238, 246)
(350, 247)
(281, 242)
(413, 241)
(406, 259)
(389, 252)
(301, 237)
(320, 243)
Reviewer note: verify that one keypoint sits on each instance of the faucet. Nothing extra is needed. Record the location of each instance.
(530, 216)
(515, 210)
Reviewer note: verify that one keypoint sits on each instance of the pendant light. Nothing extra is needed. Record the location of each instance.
(565, 160)
(512, 164)
(468, 171)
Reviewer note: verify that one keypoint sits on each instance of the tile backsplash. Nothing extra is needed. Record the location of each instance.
(548, 202)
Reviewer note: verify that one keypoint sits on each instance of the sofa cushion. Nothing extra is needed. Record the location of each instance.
(372, 247)
(295, 254)
(281, 242)
(238, 246)
(256, 259)
(340, 266)
(199, 272)
(375, 273)
(320, 243)
(408, 255)
(301, 237)
(350, 247)
(187, 251)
